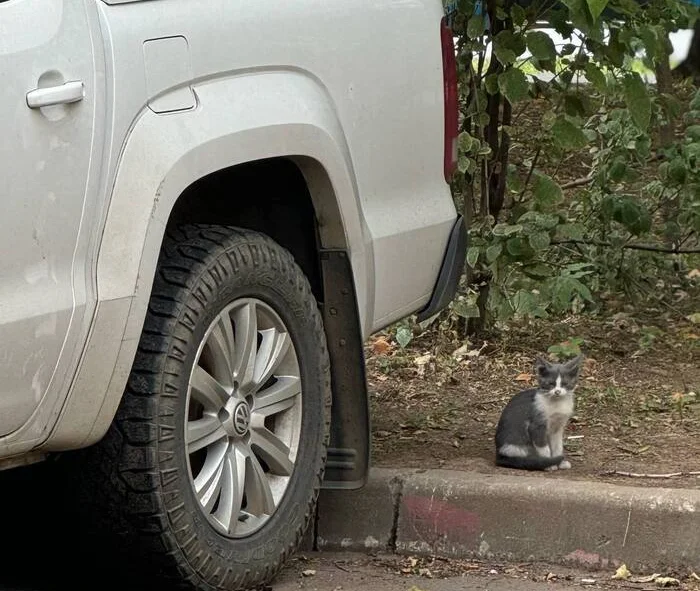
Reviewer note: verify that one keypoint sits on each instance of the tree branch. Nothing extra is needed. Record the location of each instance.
(631, 246)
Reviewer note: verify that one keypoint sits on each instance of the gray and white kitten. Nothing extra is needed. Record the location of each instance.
(530, 432)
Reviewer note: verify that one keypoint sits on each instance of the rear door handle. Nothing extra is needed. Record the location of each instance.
(70, 92)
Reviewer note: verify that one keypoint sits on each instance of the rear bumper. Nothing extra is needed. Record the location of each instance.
(450, 271)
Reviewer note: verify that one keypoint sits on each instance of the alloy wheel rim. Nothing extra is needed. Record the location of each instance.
(243, 417)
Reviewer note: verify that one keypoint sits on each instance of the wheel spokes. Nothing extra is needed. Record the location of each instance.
(203, 432)
(257, 489)
(240, 459)
(232, 489)
(221, 347)
(278, 397)
(273, 349)
(208, 481)
(272, 450)
(246, 323)
(207, 390)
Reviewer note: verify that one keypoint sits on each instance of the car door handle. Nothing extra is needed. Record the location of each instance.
(70, 92)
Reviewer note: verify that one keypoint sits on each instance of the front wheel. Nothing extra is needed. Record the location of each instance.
(217, 451)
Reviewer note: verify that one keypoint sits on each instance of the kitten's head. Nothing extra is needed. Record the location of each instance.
(558, 379)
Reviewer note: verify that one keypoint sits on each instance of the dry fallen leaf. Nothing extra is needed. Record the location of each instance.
(622, 573)
(694, 576)
(425, 572)
(523, 377)
(309, 572)
(461, 351)
(667, 582)
(647, 579)
(381, 346)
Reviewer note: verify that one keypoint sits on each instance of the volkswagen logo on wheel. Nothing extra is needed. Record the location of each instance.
(241, 418)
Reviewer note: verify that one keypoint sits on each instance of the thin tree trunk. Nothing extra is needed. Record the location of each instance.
(664, 85)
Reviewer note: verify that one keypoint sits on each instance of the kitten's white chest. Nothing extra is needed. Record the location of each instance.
(557, 411)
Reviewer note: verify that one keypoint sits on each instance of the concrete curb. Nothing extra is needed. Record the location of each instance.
(468, 514)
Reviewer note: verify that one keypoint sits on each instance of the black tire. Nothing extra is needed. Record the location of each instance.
(142, 461)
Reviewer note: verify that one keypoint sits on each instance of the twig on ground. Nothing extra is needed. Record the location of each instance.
(577, 183)
(631, 246)
(341, 567)
(646, 475)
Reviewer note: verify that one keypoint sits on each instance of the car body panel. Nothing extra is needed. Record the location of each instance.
(188, 92)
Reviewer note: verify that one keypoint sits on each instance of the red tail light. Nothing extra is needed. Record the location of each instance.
(449, 75)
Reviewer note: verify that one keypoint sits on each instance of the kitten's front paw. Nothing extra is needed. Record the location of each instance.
(565, 465)
(551, 468)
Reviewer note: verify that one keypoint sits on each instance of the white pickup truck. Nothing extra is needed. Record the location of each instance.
(206, 208)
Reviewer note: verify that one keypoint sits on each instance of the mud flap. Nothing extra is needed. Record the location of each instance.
(349, 450)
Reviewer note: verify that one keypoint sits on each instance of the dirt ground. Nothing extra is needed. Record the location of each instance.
(637, 410)
(436, 403)
(352, 572)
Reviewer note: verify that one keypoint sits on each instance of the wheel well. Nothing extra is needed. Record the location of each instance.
(270, 196)
(280, 197)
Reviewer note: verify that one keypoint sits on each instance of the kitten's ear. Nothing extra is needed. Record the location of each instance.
(541, 365)
(574, 365)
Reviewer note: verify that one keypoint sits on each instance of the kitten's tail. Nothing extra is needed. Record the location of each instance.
(528, 462)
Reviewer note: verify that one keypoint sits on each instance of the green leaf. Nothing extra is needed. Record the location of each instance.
(539, 240)
(476, 26)
(631, 214)
(472, 256)
(695, 103)
(491, 83)
(617, 170)
(524, 302)
(546, 192)
(508, 46)
(541, 45)
(493, 252)
(544, 221)
(466, 142)
(571, 231)
(513, 84)
(519, 248)
(637, 100)
(465, 164)
(538, 271)
(404, 335)
(568, 135)
(693, 133)
(506, 229)
(564, 288)
(561, 23)
(596, 77)
(677, 171)
(596, 7)
(517, 13)
(465, 309)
